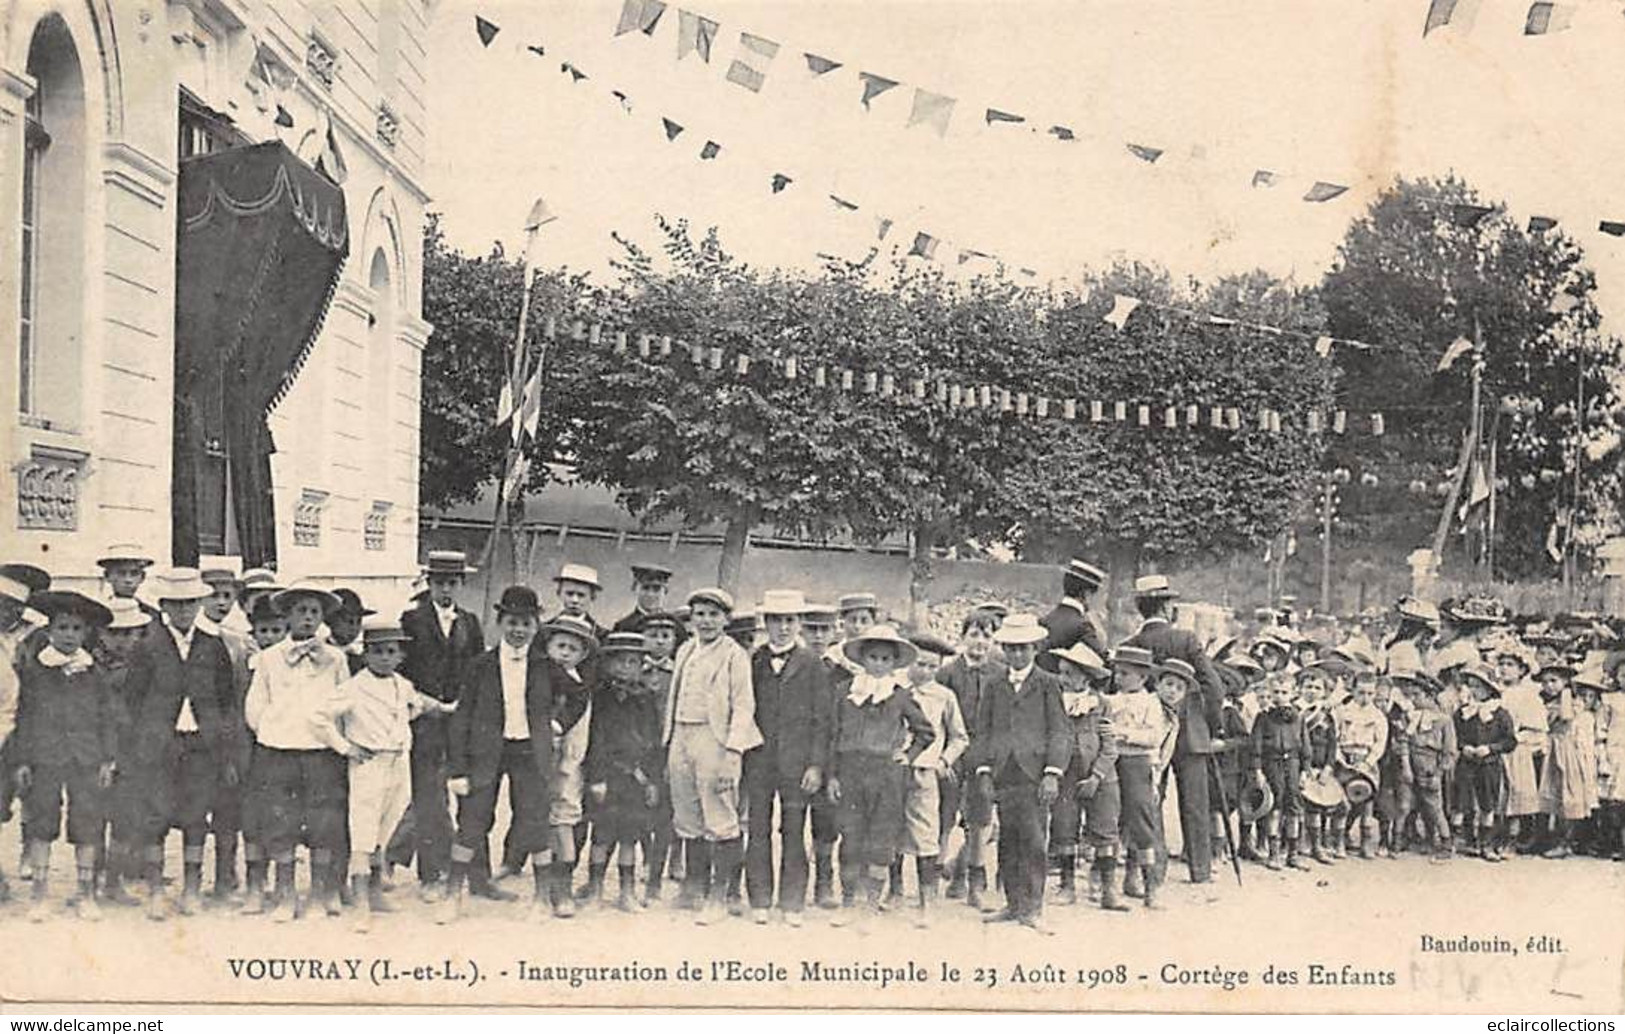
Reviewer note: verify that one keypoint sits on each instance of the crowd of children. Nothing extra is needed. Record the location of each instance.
(711, 746)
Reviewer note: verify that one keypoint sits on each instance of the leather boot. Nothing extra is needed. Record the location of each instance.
(1369, 836)
(254, 894)
(1273, 862)
(361, 894)
(592, 895)
(1317, 846)
(1133, 880)
(192, 888)
(626, 895)
(1152, 882)
(225, 869)
(976, 889)
(375, 891)
(1105, 872)
(1068, 892)
(824, 876)
(1293, 860)
(956, 880)
(894, 884)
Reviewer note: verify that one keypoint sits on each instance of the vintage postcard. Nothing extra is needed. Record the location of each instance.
(996, 505)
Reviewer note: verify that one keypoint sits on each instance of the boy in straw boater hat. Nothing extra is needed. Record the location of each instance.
(503, 728)
(1140, 726)
(1089, 789)
(124, 568)
(710, 724)
(879, 730)
(570, 644)
(62, 745)
(577, 587)
(298, 774)
(445, 640)
(1485, 732)
(793, 715)
(374, 715)
(622, 769)
(223, 617)
(1071, 621)
(1019, 756)
(182, 735)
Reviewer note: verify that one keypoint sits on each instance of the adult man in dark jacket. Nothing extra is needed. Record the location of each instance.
(445, 639)
(1071, 622)
(791, 686)
(1199, 716)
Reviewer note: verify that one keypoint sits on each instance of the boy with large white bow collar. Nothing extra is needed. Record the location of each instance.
(879, 732)
(1485, 731)
(1023, 744)
(63, 744)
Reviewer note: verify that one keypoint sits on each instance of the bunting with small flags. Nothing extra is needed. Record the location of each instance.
(820, 65)
(486, 30)
(695, 34)
(1149, 155)
(749, 68)
(1323, 191)
(931, 109)
(1544, 18)
(995, 115)
(640, 16)
(924, 246)
(672, 128)
(873, 86)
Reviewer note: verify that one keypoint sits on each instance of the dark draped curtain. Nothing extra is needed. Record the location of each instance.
(262, 241)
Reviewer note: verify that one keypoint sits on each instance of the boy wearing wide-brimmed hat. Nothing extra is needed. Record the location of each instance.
(63, 745)
(1425, 740)
(1140, 726)
(445, 640)
(344, 627)
(820, 631)
(878, 731)
(622, 769)
(577, 587)
(298, 774)
(661, 633)
(115, 646)
(1021, 750)
(502, 729)
(182, 729)
(1071, 621)
(222, 616)
(1485, 733)
(374, 714)
(1089, 789)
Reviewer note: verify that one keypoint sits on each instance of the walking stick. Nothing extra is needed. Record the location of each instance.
(1224, 815)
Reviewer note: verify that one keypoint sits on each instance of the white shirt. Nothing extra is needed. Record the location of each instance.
(513, 665)
(1018, 677)
(777, 659)
(447, 616)
(186, 721)
(290, 702)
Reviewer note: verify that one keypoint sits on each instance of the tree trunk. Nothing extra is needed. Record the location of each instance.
(1122, 564)
(733, 549)
(920, 572)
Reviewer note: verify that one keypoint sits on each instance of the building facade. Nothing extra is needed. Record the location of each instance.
(103, 103)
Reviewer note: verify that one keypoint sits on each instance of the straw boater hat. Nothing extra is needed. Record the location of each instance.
(305, 588)
(1085, 572)
(127, 614)
(853, 648)
(447, 561)
(1412, 609)
(1133, 657)
(1482, 673)
(742, 621)
(1243, 663)
(820, 614)
(569, 624)
(380, 628)
(782, 603)
(260, 579)
(649, 574)
(625, 642)
(714, 596)
(581, 574)
(1019, 630)
(182, 584)
(1079, 654)
(1181, 668)
(1595, 679)
(1476, 610)
(1154, 587)
(857, 601)
(216, 569)
(58, 601)
(125, 553)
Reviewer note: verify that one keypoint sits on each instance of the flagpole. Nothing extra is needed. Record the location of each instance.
(1469, 448)
(539, 216)
(1489, 536)
(1579, 454)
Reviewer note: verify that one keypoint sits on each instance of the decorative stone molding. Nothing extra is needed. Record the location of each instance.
(375, 529)
(307, 517)
(321, 59)
(48, 489)
(389, 126)
(137, 172)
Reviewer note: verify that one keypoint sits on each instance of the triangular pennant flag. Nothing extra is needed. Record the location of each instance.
(780, 181)
(1544, 18)
(820, 65)
(843, 203)
(1062, 133)
(1477, 492)
(624, 101)
(710, 150)
(1450, 12)
(924, 246)
(1541, 223)
(1123, 307)
(995, 115)
(1144, 153)
(873, 86)
(1468, 216)
(749, 74)
(966, 254)
(695, 34)
(672, 128)
(882, 227)
(537, 49)
(487, 30)
(641, 15)
(505, 403)
(1323, 346)
(1458, 348)
(1611, 228)
(1266, 178)
(1323, 191)
(931, 109)
(530, 409)
(576, 74)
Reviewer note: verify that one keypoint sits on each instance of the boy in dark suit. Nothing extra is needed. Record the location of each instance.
(1071, 622)
(503, 728)
(1023, 744)
(649, 582)
(445, 639)
(969, 675)
(819, 633)
(1199, 715)
(793, 713)
(623, 766)
(182, 723)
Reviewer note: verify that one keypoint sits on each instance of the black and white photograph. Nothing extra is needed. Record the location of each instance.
(1107, 506)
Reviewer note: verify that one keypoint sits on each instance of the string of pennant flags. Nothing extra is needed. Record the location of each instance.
(697, 35)
(1541, 19)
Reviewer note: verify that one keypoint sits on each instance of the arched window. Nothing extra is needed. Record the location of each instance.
(51, 280)
(380, 369)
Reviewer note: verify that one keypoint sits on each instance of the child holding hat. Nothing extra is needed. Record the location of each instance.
(299, 775)
(1280, 753)
(374, 714)
(622, 768)
(63, 745)
(1485, 732)
(879, 731)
